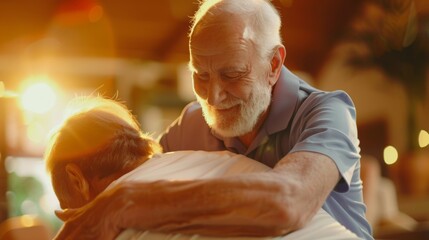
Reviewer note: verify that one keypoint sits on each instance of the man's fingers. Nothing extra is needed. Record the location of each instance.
(64, 215)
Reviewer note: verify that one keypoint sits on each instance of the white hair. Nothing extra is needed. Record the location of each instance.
(261, 17)
(100, 136)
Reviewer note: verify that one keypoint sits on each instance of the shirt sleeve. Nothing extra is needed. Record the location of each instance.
(326, 124)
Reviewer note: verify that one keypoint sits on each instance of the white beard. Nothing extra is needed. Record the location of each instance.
(243, 116)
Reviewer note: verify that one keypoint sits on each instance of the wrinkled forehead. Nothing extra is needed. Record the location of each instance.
(219, 33)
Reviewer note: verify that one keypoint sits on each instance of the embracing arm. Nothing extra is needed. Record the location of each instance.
(258, 204)
(264, 204)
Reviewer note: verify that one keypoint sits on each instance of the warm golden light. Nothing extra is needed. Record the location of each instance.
(423, 138)
(35, 132)
(96, 13)
(27, 221)
(4, 93)
(39, 97)
(390, 155)
(2, 89)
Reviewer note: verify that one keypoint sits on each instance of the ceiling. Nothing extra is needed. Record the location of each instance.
(149, 30)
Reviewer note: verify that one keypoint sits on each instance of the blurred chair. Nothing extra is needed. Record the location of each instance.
(25, 227)
(380, 197)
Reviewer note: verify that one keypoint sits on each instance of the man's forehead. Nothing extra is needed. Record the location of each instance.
(227, 66)
(225, 25)
(224, 32)
(221, 57)
(216, 41)
(224, 40)
(220, 48)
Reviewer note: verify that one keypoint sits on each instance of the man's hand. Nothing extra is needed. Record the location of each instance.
(96, 220)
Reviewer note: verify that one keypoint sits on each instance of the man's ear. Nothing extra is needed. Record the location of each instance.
(78, 181)
(276, 64)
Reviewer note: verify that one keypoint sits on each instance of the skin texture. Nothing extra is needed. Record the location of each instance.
(85, 189)
(226, 68)
(232, 83)
(224, 206)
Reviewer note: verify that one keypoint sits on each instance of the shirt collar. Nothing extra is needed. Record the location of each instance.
(284, 100)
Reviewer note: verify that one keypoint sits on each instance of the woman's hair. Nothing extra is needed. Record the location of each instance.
(260, 16)
(101, 137)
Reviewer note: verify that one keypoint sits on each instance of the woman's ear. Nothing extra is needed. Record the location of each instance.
(78, 181)
(276, 64)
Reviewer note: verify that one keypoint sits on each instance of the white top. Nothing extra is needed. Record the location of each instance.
(185, 165)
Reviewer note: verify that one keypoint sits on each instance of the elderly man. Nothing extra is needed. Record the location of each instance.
(248, 103)
(100, 145)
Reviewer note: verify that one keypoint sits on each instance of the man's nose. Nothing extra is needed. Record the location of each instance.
(215, 93)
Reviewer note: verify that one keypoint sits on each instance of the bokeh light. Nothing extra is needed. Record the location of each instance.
(36, 132)
(390, 155)
(2, 89)
(29, 207)
(423, 138)
(96, 13)
(38, 97)
(27, 221)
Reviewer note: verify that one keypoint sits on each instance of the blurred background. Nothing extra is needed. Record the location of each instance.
(137, 51)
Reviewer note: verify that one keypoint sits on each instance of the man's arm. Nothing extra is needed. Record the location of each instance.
(258, 204)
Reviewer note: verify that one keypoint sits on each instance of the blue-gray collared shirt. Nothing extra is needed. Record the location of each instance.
(301, 118)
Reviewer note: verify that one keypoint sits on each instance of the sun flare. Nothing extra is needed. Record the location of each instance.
(38, 97)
